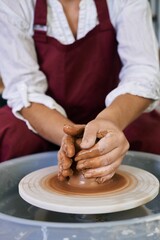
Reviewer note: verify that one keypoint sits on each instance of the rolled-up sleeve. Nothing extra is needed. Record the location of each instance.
(23, 80)
(138, 50)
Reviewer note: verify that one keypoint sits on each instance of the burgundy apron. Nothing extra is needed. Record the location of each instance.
(79, 75)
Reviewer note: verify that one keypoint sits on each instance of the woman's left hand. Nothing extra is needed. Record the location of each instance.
(100, 159)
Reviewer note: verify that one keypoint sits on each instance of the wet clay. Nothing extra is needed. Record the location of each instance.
(77, 184)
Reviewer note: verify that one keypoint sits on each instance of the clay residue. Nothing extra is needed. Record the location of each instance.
(80, 185)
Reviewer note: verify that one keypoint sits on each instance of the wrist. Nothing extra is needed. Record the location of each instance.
(124, 110)
(113, 116)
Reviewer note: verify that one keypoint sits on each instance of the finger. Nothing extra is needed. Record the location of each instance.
(64, 174)
(67, 162)
(60, 168)
(59, 155)
(78, 144)
(101, 180)
(86, 154)
(96, 162)
(67, 172)
(100, 161)
(61, 178)
(74, 130)
(105, 145)
(68, 145)
(89, 136)
(102, 171)
(94, 139)
(64, 161)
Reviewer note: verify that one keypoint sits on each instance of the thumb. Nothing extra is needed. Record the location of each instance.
(74, 130)
(89, 137)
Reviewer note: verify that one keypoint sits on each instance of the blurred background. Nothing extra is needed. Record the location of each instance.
(155, 5)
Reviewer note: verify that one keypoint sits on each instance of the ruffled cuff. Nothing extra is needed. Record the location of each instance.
(135, 89)
(25, 100)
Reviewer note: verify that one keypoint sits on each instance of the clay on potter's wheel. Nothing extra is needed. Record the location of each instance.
(42, 188)
(78, 184)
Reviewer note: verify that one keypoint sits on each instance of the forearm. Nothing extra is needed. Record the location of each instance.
(47, 122)
(125, 109)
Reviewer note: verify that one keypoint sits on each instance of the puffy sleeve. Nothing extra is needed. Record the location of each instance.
(138, 50)
(23, 80)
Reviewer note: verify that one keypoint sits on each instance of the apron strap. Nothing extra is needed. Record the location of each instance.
(40, 20)
(103, 14)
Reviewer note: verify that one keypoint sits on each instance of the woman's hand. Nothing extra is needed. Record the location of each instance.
(100, 159)
(69, 147)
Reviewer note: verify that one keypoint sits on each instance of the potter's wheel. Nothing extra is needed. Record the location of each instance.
(137, 187)
(21, 220)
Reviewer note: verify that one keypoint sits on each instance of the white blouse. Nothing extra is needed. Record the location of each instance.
(137, 47)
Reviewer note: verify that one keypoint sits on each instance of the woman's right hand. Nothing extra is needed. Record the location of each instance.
(69, 147)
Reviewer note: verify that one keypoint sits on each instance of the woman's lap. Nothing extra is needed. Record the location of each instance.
(16, 139)
(144, 133)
